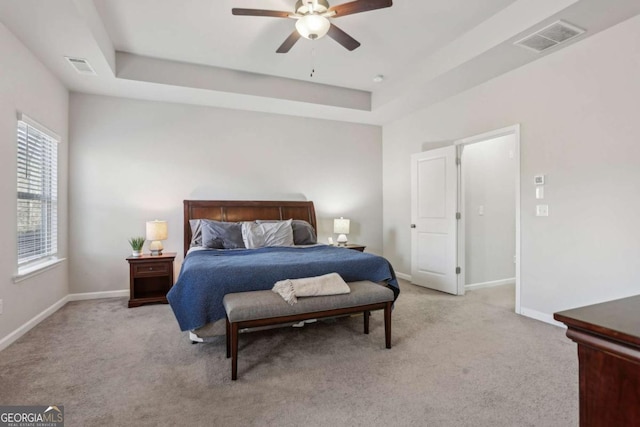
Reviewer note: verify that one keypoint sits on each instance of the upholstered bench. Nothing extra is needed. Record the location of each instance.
(263, 308)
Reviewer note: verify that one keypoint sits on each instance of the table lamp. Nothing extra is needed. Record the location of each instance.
(341, 228)
(156, 231)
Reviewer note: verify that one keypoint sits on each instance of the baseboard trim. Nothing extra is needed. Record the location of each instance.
(403, 276)
(15, 335)
(30, 324)
(98, 295)
(509, 281)
(543, 317)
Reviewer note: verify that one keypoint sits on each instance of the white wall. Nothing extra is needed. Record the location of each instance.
(488, 171)
(133, 161)
(579, 110)
(27, 86)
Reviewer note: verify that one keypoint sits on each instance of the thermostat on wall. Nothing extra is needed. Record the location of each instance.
(538, 180)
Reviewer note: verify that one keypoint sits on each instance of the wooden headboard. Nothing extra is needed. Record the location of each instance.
(240, 210)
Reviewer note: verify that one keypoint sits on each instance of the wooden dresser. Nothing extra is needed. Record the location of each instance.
(608, 338)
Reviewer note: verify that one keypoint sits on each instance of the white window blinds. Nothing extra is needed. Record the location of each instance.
(37, 192)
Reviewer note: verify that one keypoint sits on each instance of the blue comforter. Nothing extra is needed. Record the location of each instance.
(206, 276)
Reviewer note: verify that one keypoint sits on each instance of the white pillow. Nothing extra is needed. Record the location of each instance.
(257, 235)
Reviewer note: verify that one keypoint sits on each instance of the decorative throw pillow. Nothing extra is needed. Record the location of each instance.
(303, 232)
(221, 235)
(258, 235)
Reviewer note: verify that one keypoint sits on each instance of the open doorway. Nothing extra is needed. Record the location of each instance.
(489, 201)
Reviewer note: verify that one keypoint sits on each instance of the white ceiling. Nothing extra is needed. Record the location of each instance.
(197, 52)
(205, 32)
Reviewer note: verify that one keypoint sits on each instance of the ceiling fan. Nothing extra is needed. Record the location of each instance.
(313, 19)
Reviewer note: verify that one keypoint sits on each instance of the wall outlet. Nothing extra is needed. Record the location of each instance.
(1, 306)
(542, 210)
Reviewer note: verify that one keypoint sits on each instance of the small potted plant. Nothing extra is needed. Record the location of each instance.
(136, 245)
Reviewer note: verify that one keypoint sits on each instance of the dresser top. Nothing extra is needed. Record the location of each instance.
(618, 319)
(147, 257)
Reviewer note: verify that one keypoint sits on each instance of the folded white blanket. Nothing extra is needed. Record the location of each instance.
(328, 284)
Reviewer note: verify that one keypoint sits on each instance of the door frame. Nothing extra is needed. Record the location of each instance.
(509, 130)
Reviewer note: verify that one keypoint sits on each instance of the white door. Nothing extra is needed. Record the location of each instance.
(434, 187)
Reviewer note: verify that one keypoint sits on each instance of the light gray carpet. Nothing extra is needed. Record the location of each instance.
(455, 361)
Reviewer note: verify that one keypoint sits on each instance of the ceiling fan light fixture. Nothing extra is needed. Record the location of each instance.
(313, 26)
(313, 20)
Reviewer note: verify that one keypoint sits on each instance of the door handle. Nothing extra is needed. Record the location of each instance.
(413, 226)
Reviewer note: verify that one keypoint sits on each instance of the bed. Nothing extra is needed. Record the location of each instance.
(207, 275)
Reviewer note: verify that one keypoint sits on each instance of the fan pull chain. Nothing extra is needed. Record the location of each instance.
(313, 67)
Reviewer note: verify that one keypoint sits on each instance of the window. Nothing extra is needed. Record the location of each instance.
(37, 192)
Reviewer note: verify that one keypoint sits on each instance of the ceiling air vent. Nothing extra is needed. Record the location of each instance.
(82, 66)
(550, 36)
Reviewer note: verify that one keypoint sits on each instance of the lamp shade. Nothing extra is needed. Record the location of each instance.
(157, 230)
(341, 226)
(313, 26)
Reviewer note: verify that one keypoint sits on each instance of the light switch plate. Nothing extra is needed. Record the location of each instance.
(540, 192)
(542, 210)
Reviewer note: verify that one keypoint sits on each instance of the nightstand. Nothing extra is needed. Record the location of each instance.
(354, 247)
(150, 278)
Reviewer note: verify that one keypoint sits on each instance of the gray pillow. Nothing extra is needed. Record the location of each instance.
(267, 234)
(196, 232)
(221, 235)
(303, 232)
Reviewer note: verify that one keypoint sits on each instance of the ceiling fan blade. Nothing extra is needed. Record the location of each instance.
(260, 12)
(358, 6)
(289, 42)
(343, 38)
